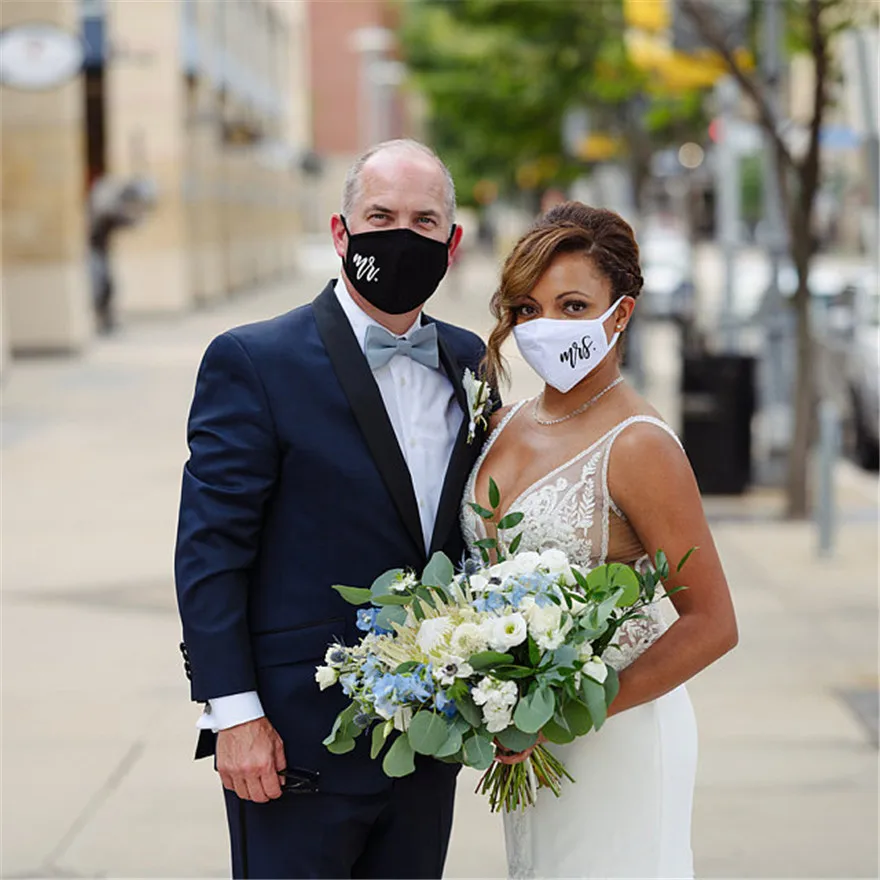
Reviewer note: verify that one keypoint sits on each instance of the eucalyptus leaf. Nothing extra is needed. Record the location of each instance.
(382, 585)
(378, 742)
(400, 759)
(452, 745)
(486, 544)
(611, 686)
(514, 544)
(479, 752)
(390, 614)
(623, 576)
(468, 710)
(578, 717)
(557, 732)
(534, 710)
(494, 494)
(594, 696)
(406, 667)
(515, 740)
(439, 571)
(392, 599)
(353, 595)
(427, 733)
(341, 746)
(485, 659)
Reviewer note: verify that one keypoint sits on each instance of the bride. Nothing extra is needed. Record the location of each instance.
(599, 475)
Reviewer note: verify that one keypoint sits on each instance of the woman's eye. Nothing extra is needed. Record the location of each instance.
(575, 307)
(525, 311)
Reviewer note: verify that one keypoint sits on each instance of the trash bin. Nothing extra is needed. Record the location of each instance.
(718, 402)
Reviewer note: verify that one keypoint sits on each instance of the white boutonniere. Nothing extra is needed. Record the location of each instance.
(478, 399)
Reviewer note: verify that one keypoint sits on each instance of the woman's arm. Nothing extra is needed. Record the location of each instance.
(652, 482)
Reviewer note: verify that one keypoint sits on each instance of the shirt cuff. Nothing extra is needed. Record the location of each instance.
(225, 712)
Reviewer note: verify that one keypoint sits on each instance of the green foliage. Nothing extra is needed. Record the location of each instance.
(499, 77)
(438, 572)
(427, 733)
(354, 595)
(400, 760)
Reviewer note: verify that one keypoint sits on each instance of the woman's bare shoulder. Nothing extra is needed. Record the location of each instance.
(500, 415)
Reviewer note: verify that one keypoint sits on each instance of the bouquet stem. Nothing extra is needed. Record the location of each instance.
(515, 786)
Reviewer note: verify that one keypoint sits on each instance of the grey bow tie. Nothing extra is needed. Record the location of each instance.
(380, 346)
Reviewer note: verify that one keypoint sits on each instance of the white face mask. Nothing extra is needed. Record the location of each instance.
(563, 352)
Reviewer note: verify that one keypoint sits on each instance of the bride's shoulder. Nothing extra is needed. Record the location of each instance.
(500, 415)
(643, 436)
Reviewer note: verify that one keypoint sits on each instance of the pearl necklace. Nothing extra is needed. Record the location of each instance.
(582, 408)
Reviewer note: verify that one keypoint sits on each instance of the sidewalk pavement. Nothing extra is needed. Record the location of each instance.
(97, 729)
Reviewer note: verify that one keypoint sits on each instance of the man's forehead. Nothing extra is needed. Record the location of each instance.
(391, 176)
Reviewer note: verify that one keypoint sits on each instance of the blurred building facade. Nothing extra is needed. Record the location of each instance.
(208, 102)
(356, 86)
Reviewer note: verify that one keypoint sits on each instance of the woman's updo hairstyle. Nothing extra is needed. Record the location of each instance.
(571, 227)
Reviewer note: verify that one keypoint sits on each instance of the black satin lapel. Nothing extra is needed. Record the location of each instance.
(463, 458)
(363, 395)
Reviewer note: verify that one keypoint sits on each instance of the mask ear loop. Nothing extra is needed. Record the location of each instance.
(604, 318)
(451, 233)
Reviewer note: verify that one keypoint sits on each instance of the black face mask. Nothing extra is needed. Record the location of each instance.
(395, 270)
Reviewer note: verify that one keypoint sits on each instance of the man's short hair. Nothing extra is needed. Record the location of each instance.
(351, 190)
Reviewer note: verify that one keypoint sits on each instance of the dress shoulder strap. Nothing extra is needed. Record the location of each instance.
(612, 435)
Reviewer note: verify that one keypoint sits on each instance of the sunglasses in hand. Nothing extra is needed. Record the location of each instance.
(296, 780)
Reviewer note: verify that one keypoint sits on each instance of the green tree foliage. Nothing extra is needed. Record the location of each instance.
(499, 76)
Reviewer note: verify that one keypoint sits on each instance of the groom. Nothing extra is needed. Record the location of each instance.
(326, 446)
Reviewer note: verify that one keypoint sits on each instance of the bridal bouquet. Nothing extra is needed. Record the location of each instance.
(487, 666)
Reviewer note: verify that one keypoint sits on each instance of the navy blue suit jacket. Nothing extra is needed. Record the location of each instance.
(296, 482)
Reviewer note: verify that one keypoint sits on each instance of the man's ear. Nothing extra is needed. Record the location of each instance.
(455, 242)
(340, 236)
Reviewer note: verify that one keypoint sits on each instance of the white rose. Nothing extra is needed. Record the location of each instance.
(468, 639)
(541, 618)
(527, 561)
(596, 669)
(433, 633)
(555, 561)
(326, 676)
(507, 632)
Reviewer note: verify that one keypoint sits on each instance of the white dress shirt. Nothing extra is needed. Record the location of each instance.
(426, 418)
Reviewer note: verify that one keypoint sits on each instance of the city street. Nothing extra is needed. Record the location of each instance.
(97, 727)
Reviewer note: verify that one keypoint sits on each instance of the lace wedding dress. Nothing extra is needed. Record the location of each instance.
(628, 815)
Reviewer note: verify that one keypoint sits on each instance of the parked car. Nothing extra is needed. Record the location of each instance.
(852, 363)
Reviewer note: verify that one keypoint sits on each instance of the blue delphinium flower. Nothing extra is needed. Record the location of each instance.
(385, 693)
(445, 705)
(492, 601)
(348, 683)
(366, 621)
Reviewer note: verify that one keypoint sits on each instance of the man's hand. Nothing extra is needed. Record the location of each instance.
(249, 758)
